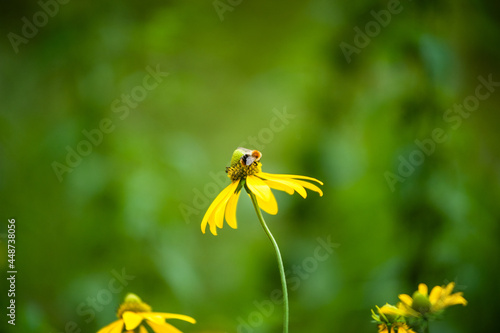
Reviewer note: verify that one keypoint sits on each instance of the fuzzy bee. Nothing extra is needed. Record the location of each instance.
(250, 157)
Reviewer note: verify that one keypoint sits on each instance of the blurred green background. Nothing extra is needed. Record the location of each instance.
(272, 76)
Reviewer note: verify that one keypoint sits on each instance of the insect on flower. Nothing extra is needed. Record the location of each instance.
(246, 173)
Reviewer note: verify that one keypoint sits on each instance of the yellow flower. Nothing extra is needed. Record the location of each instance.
(390, 320)
(246, 171)
(422, 303)
(135, 314)
(396, 327)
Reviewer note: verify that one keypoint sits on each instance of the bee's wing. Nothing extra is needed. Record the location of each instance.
(247, 159)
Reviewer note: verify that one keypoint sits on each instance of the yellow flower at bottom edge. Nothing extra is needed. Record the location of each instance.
(397, 327)
(421, 303)
(389, 320)
(246, 171)
(134, 314)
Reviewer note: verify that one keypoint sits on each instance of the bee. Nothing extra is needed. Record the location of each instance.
(250, 157)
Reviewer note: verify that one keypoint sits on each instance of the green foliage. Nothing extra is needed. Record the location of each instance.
(411, 164)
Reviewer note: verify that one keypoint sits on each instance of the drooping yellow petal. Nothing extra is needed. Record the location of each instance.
(422, 288)
(215, 204)
(290, 183)
(309, 186)
(131, 319)
(270, 206)
(281, 186)
(231, 210)
(211, 208)
(218, 214)
(174, 316)
(163, 328)
(390, 310)
(114, 327)
(217, 217)
(259, 188)
(272, 175)
(143, 329)
(154, 317)
(455, 299)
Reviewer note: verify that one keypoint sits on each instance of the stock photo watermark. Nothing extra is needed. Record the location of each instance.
(222, 6)
(372, 29)
(265, 136)
(121, 107)
(294, 277)
(454, 117)
(31, 26)
(103, 297)
(11, 271)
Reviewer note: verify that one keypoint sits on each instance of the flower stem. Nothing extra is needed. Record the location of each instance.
(426, 326)
(278, 257)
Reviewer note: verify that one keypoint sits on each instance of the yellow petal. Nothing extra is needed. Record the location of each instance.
(213, 229)
(211, 208)
(231, 210)
(406, 299)
(455, 299)
(309, 186)
(290, 183)
(174, 316)
(114, 327)
(270, 206)
(218, 214)
(272, 175)
(390, 310)
(259, 188)
(142, 329)
(422, 288)
(435, 294)
(382, 328)
(449, 288)
(279, 185)
(215, 204)
(154, 317)
(163, 328)
(132, 320)
(217, 217)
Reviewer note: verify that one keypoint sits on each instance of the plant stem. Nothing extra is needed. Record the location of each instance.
(278, 257)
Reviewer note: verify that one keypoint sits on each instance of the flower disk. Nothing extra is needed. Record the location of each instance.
(240, 171)
(134, 304)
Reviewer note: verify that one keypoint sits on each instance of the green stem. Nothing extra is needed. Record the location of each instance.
(278, 257)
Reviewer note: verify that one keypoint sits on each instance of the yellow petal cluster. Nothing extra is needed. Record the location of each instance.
(134, 314)
(389, 320)
(259, 183)
(422, 303)
(395, 328)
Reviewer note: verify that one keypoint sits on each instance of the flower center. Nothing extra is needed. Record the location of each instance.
(240, 171)
(421, 303)
(134, 304)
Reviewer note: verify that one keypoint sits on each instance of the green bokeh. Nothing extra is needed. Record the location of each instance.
(136, 200)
